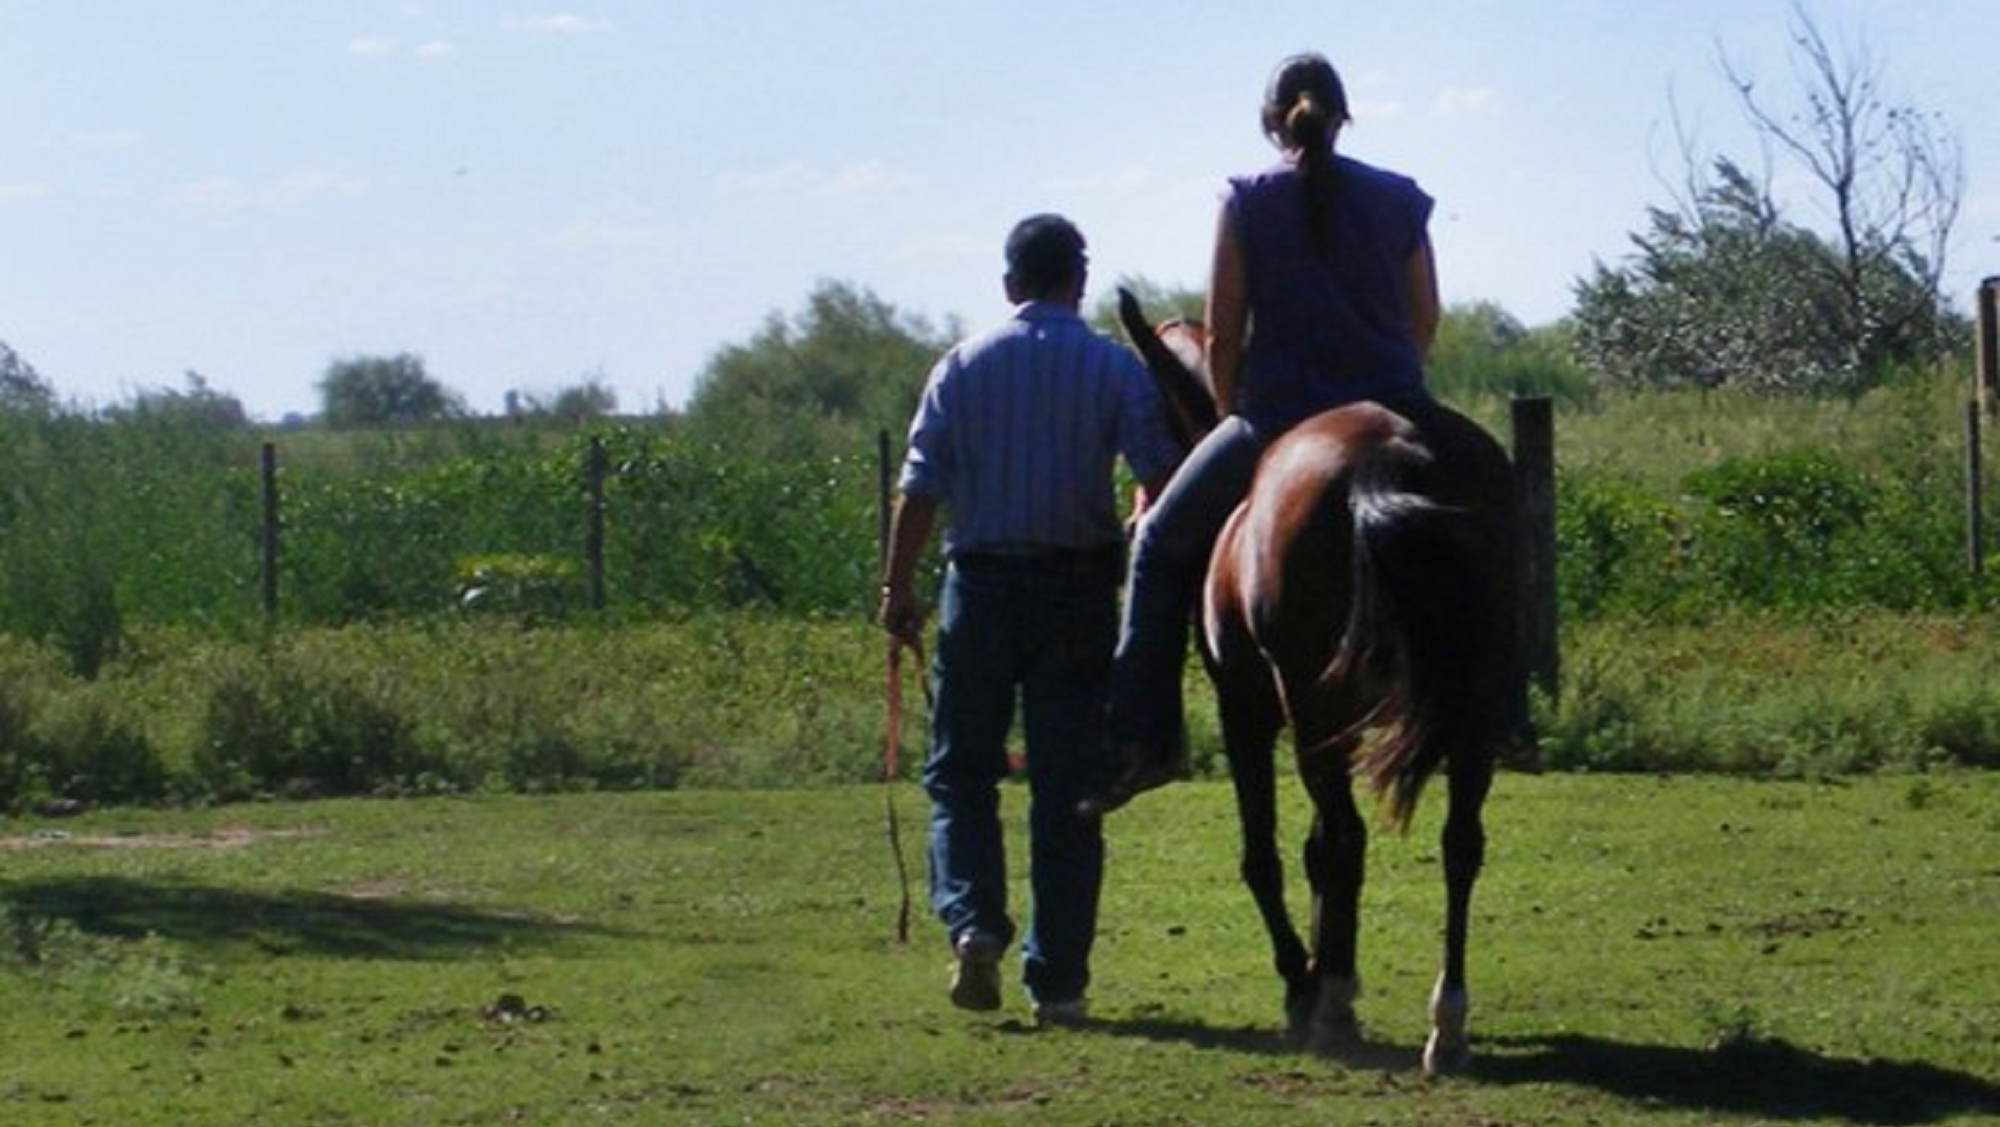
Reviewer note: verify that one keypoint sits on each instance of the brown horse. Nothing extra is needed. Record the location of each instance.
(1366, 586)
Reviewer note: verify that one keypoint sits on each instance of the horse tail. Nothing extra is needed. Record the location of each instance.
(1411, 639)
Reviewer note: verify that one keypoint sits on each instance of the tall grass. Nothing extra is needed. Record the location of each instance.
(741, 700)
(1762, 696)
(1679, 507)
(715, 700)
(151, 517)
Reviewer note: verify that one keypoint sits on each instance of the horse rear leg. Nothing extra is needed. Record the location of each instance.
(1249, 737)
(1336, 857)
(1449, 1047)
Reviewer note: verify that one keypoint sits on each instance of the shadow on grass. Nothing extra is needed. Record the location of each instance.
(1371, 1055)
(279, 922)
(1761, 1077)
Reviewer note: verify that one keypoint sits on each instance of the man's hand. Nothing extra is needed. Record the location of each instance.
(902, 616)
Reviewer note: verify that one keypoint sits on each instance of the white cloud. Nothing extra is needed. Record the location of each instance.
(436, 49)
(371, 46)
(796, 178)
(24, 190)
(556, 23)
(1462, 101)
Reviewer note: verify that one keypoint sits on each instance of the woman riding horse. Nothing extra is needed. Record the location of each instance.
(1359, 545)
(1330, 260)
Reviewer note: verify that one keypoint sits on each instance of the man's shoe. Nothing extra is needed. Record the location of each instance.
(1069, 1013)
(1141, 772)
(975, 975)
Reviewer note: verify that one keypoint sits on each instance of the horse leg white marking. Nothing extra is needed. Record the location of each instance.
(1449, 1048)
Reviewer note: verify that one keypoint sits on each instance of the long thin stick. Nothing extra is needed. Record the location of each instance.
(893, 695)
(891, 749)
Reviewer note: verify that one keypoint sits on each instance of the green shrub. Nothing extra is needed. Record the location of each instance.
(1761, 695)
(1483, 353)
(309, 719)
(93, 750)
(29, 677)
(106, 521)
(1773, 526)
(700, 527)
(1621, 549)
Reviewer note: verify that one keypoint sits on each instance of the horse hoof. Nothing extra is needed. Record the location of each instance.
(1298, 1022)
(1333, 1029)
(1444, 1056)
(1333, 1038)
(1449, 1048)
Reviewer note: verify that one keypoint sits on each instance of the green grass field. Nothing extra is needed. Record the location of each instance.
(1650, 950)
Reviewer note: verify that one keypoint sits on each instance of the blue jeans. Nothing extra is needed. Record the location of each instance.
(1036, 633)
(1169, 560)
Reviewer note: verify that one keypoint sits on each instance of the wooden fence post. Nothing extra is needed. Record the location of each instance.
(593, 546)
(1535, 478)
(268, 533)
(1987, 378)
(1975, 553)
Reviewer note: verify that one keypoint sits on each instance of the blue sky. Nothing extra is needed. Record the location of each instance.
(530, 194)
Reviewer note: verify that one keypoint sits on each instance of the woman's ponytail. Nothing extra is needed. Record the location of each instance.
(1304, 105)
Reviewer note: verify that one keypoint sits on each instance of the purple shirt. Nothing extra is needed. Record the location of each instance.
(1019, 431)
(1328, 324)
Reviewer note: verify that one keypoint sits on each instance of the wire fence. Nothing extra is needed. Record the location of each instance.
(106, 524)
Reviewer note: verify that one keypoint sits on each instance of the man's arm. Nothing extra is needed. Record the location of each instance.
(902, 616)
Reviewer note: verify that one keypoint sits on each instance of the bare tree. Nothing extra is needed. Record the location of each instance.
(1728, 286)
(1891, 175)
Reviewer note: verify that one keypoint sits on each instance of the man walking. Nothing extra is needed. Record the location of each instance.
(1016, 440)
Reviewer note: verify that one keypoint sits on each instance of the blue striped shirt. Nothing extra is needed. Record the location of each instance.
(1020, 428)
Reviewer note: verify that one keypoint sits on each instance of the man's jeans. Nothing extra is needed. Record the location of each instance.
(1037, 632)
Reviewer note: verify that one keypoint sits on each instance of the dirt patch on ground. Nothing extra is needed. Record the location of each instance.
(232, 837)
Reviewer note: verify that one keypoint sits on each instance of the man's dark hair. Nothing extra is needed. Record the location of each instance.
(1044, 252)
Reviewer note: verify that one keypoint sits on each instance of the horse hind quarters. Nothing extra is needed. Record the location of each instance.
(1423, 619)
